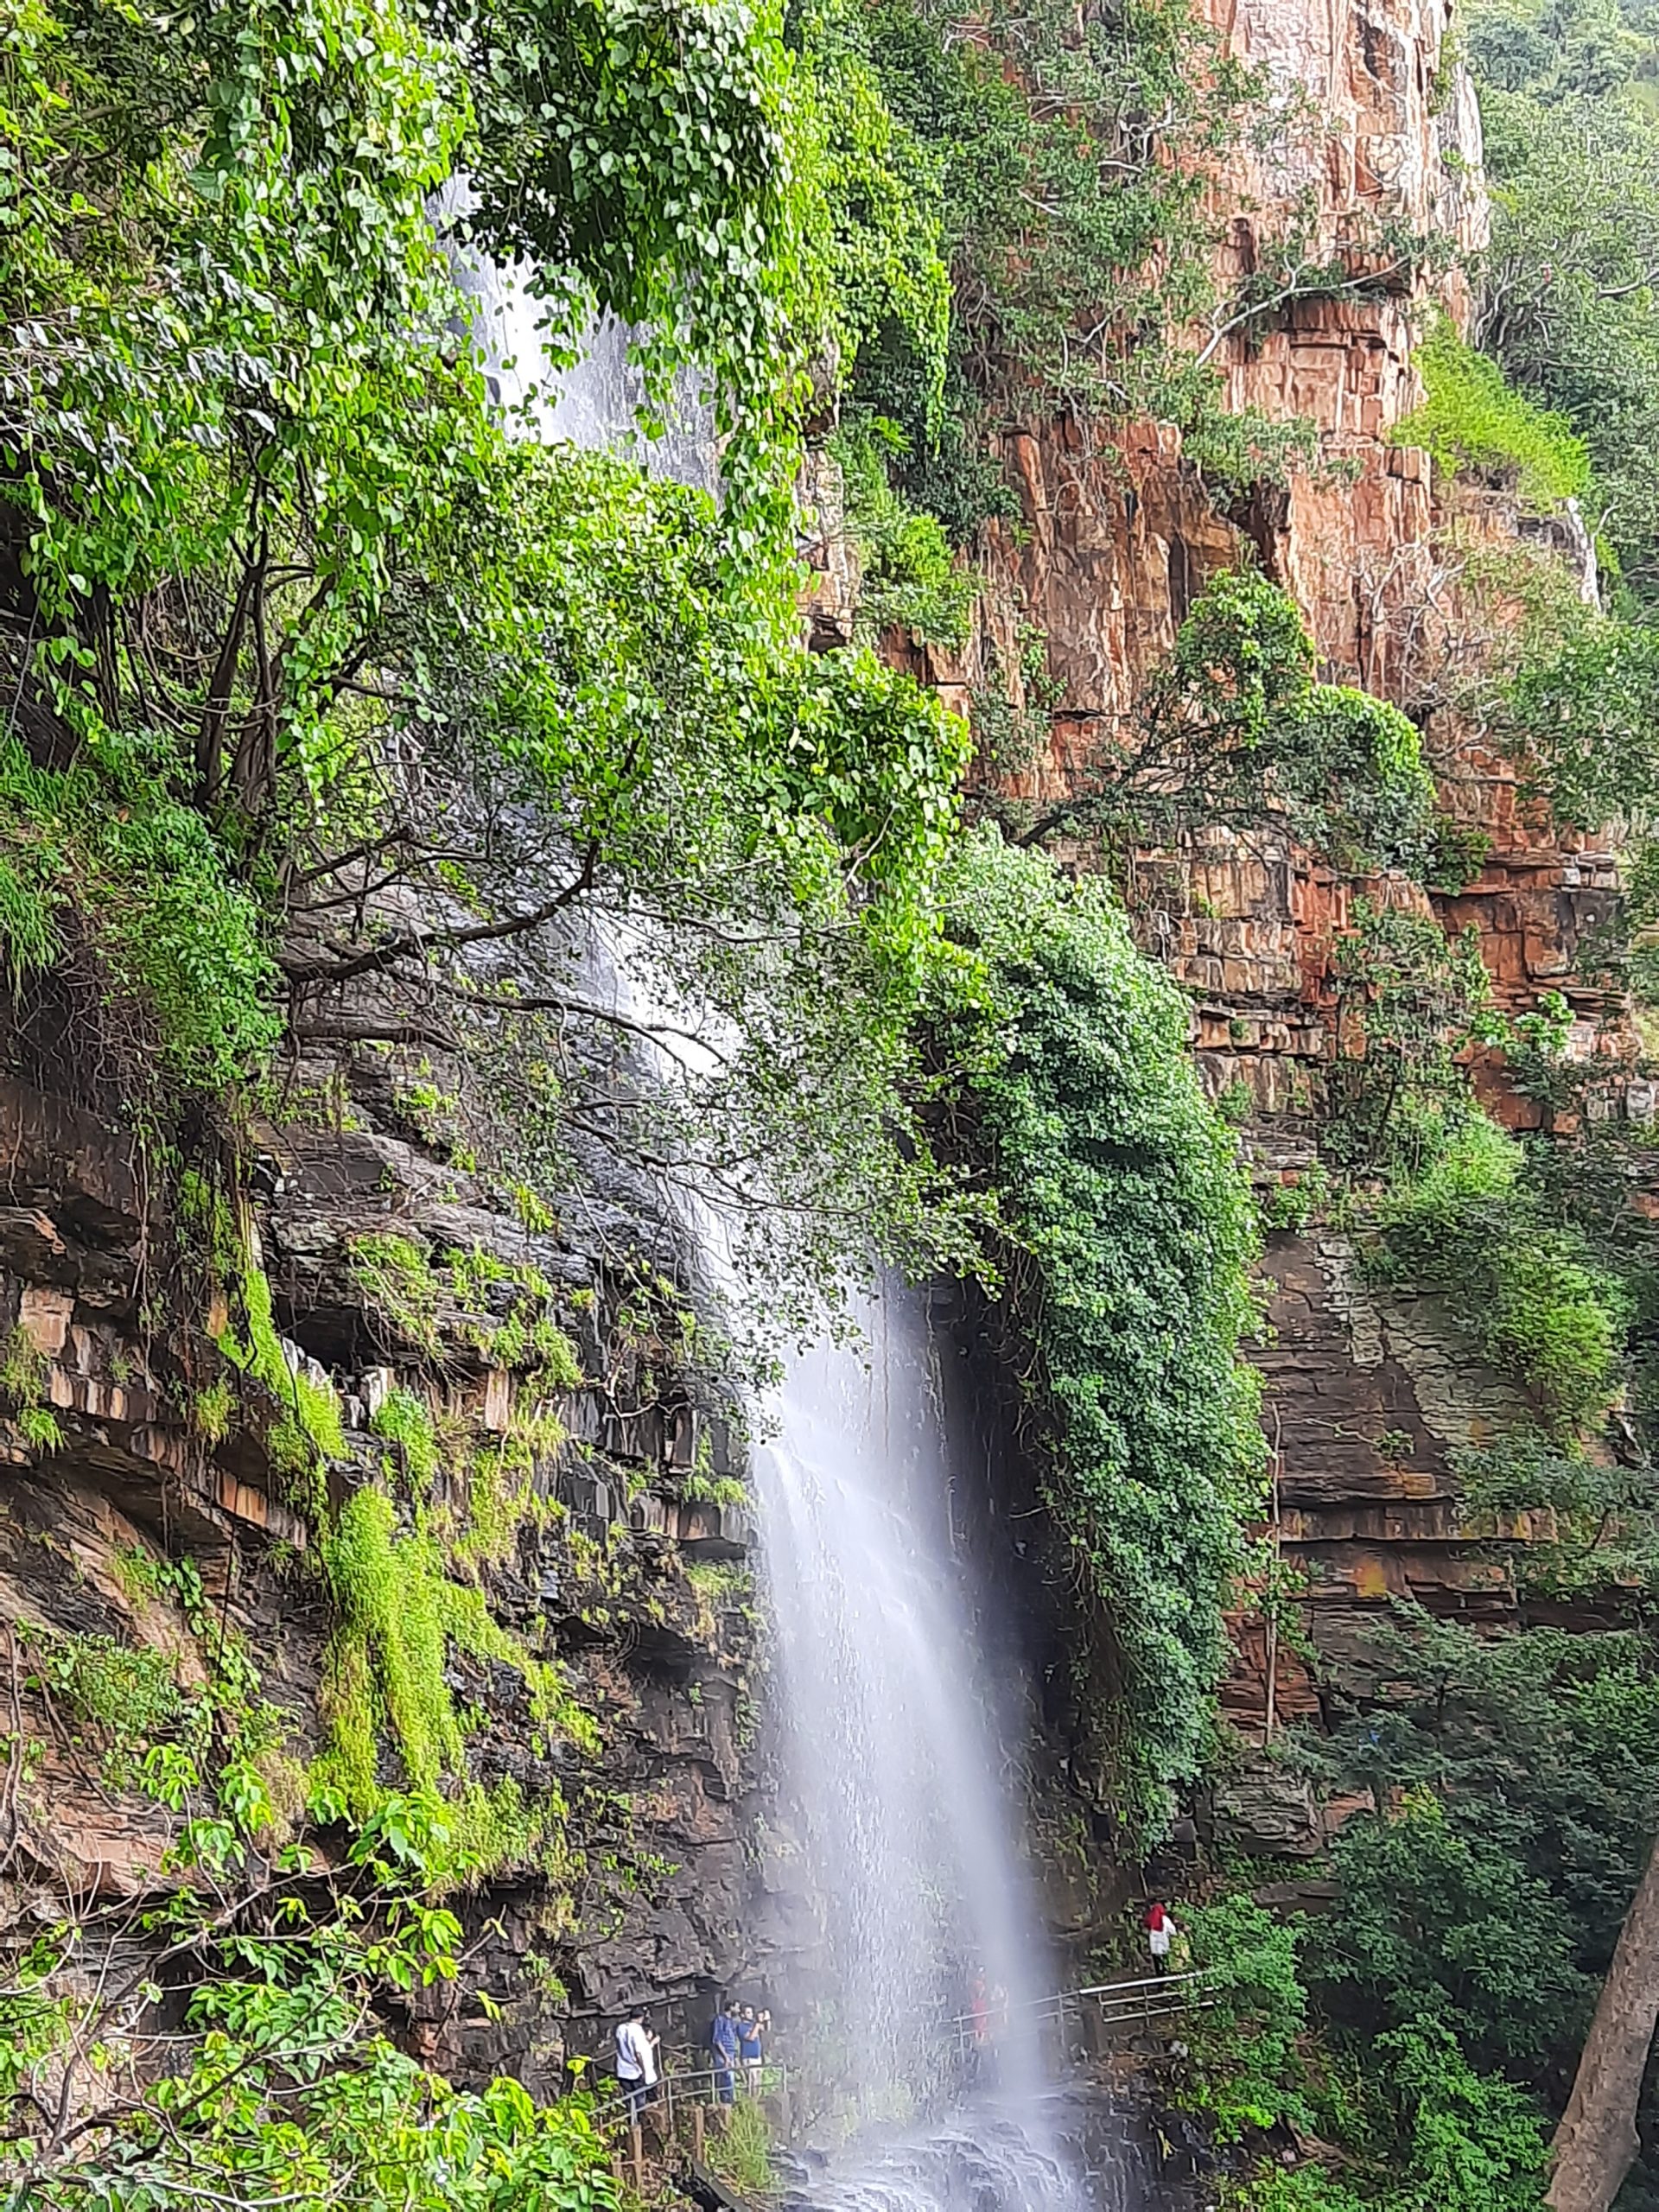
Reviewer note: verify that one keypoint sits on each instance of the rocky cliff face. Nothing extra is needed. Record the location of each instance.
(1404, 581)
(622, 1556)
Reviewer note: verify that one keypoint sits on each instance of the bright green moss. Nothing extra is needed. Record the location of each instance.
(396, 1279)
(397, 1611)
(310, 1429)
(406, 1420)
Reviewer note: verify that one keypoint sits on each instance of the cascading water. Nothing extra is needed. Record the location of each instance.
(884, 1705)
(894, 1763)
(895, 1770)
(595, 402)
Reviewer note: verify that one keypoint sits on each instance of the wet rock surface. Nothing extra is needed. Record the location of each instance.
(629, 1573)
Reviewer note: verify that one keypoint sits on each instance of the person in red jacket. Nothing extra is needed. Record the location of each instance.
(1160, 1930)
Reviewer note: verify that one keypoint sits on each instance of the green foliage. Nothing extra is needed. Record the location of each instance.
(23, 1372)
(526, 1337)
(1462, 1211)
(1587, 1179)
(209, 1748)
(309, 1431)
(396, 1612)
(1234, 730)
(1531, 1296)
(1056, 191)
(1580, 714)
(740, 2152)
(128, 1689)
(1438, 1922)
(212, 1409)
(1412, 2121)
(40, 1428)
(653, 159)
(1458, 2140)
(911, 578)
(1458, 853)
(876, 232)
(1243, 2045)
(386, 1657)
(1564, 294)
(1409, 1003)
(278, 2084)
(1476, 2140)
(1129, 1243)
(395, 1278)
(23, 1388)
(1472, 417)
(291, 595)
(1524, 1767)
(406, 1421)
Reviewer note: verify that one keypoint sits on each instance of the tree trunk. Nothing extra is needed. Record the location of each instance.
(1596, 2143)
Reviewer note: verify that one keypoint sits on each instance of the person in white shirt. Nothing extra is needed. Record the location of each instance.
(636, 2063)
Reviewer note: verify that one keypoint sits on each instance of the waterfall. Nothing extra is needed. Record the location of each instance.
(886, 1714)
(594, 401)
(894, 1761)
(886, 1707)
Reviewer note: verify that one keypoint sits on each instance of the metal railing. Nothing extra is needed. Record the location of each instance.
(1103, 2007)
(1071, 2016)
(677, 2088)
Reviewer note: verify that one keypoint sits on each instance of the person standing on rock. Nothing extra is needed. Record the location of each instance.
(1160, 1933)
(723, 2042)
(636, 2063)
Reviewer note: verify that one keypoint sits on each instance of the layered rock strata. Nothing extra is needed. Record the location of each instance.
(628, 1565)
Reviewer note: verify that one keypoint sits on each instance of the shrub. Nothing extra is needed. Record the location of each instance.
(1129, 1240)
(911, 577)
(1476, 2142)
(396, 1279)
(1438, 1924)
(179, 943)
(1243, 2045)
(1529, 1295)
(310, 1430)
(1472, 416)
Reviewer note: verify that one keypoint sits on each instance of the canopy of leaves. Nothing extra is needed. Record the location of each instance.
(1580, 713)
(1516, 1775)
(1129, 1240)
(1234, 731)
(401, 704)
(1401, 2119)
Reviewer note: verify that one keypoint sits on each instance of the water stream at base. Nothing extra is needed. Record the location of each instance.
(886, 1706)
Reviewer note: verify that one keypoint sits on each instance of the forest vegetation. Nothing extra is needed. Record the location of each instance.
(345, 712)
